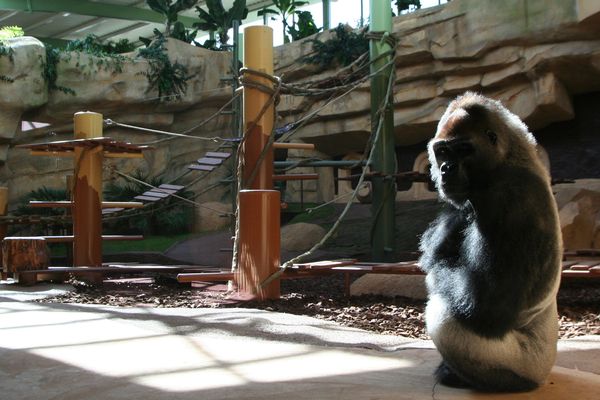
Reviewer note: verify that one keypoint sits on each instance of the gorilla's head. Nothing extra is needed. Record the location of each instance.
(474, 138)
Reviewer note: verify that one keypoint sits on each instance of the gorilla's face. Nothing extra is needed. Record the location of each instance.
(463, 154)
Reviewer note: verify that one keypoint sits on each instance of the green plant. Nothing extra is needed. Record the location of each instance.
(344, 48)
(106, 55)
(170, 9)
(168, 216)
(8, 32)
(49, 71)
(304, 27)
(216, 19)
(407, 5)
(169, 79)
(91, 44)
(286, 9)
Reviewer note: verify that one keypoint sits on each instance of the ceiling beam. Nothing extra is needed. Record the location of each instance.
(94, 9)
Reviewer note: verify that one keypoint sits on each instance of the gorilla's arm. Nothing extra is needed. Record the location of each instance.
(440, 244)
(514, 269)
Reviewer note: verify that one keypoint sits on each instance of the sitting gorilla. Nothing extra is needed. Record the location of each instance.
(493, 257)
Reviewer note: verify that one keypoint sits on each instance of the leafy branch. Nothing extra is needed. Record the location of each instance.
(219, 20)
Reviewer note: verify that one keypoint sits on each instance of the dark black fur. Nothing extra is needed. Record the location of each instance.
(493, 254)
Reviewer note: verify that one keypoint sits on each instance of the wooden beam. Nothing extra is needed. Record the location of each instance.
(69, 204)
(70, 238)
(91, 8)
(297, 146)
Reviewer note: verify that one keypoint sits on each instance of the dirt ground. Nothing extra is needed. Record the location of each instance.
(323, 297)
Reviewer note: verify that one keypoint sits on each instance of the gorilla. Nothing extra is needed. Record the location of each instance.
(493, 256)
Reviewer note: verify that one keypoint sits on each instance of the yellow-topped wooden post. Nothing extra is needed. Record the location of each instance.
(258, 55)
(3, 226)
(259, 208)
(87, 193)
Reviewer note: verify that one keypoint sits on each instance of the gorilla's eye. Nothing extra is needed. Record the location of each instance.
(492, 136)
(464, 149)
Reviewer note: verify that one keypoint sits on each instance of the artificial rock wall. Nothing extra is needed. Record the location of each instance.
(534, 55)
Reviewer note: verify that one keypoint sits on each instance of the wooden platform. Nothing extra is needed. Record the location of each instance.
(110, 147)
(97, 274)
(572, 269)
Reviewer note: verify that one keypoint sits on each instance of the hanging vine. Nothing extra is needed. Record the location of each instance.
(170, 79)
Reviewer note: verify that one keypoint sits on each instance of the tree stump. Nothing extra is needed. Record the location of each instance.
(24, 254)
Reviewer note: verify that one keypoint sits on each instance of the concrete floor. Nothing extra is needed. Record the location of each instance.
(69, 351)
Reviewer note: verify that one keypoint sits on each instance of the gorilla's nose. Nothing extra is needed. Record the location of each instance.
(448, 168)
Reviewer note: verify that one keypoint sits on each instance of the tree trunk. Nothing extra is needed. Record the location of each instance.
(24, 254)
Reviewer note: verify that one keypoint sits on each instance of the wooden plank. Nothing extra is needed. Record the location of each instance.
(568, 264)
(210, 161)
(69, 204)
(156, 194)
(216, 154)
(107, 154)
(201, 167)
(297, 146)
(595, 270)
(50, 204)
(325, 264)
(584, 265)
(122, 204)
(171, 187)
(111, 210)
(147, 198)
(205, 277)
(569, 273)
(69, 238)
(167, 191)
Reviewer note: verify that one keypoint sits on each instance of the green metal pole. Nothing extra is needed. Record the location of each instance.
(384, 157)
(326, 15)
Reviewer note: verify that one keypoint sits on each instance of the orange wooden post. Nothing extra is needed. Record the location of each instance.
(259, 242)
(258, 55)
(3, 226)
(87, 194)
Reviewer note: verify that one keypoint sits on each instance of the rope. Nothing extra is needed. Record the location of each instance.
(110, 122)
(239, 156)
(195, 203)
(335, 226)
(184, 134)
(302, 121)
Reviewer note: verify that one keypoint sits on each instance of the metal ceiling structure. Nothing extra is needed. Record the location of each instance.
(59, 21)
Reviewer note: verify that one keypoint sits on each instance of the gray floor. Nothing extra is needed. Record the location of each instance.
(69, 351)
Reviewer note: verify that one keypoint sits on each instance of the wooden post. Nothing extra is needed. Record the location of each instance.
(3, 226)
(87, 194)
(259, 242)
(258, 55)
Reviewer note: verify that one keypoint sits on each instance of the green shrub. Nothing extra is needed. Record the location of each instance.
(344, 48)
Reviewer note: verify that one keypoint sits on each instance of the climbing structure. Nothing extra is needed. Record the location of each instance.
(88, 149)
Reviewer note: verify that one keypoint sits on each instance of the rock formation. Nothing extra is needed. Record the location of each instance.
(533, 55)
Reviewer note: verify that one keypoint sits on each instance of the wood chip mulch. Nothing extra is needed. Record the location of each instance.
(323, 298)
